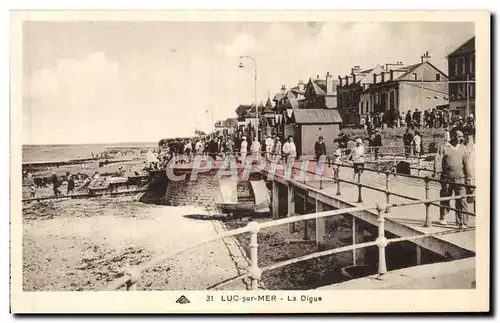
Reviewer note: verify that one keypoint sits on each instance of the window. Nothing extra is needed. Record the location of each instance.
(472, 62)
(438, 77)
(471, 91)
(460, 66)
(463, 65)
(452, 68)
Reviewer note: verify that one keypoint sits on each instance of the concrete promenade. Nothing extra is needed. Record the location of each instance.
(457, 274)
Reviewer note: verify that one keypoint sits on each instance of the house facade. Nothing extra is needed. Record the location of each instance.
(462, 68)
(350, 93)
(391, 90)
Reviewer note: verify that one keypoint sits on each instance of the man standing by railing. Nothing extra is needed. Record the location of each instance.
(289, 150)
(407, 142)
(269, 147)
(319, 148)
(358, 158)
(277, 149)
(377, 143)
(452, 159)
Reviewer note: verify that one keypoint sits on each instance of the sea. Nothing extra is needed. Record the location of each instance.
(38, 153)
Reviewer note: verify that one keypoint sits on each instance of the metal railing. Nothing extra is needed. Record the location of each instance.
(132, 275)
(427, 180)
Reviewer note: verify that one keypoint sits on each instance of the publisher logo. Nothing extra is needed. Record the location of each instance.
(182, 300)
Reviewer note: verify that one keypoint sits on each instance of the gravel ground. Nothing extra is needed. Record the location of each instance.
(274, 247)
(78, 245)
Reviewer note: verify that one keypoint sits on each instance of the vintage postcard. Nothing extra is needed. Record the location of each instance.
(250, 162)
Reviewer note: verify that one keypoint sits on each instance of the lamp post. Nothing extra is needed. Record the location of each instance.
(255, 90)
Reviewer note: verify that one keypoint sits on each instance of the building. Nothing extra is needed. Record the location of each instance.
(309, 124)
(349, 93)
(390, 90)
(462, 68)
(321, 93)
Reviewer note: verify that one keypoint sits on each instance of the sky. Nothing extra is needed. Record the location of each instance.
(92, 82)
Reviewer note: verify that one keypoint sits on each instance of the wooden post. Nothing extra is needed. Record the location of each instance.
(358, 236)
(320, 227)
(419, 255)
(291, 206)
(276, 201)
(306, 232)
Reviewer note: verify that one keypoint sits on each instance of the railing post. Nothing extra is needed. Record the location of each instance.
(322, 169)
(387, 192)
(306, 226)
(337, 176)
(381, 242)
(428, 222)
(360, 198)
(135, 276)
(418, 166)
(254, 270)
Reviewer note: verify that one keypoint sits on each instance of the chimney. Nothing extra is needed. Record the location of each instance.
(346, 80)
(425, 58)
(382, 74)
(301, 86)
(329, 84)
(283, 89)
(353, 78)
(355, 69)
(340, 80)
(374, 78)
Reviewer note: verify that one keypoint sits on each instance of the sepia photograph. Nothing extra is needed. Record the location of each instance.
(251, 162)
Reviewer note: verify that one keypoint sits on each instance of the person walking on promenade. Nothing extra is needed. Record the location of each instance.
(407, 141)
(319, 148)
(243, 149)
(269, 147)
(358, 158)
(417, 144)
(71, 183)
(229, 148)
(289, 150)
(55, 184)
(377, 143)
(199, 147)
(453, 161)
(255, 148)
(277, 149)
(408, 119)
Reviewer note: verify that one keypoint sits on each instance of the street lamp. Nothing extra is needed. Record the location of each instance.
(255, 90)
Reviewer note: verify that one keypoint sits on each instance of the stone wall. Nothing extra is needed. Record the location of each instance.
(200, 192)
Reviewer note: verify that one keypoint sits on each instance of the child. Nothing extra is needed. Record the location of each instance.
(32, 190)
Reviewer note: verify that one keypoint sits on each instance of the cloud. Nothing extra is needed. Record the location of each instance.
(242, 44)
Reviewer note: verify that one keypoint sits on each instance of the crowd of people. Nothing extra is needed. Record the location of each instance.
(431, 118)
(220, 147)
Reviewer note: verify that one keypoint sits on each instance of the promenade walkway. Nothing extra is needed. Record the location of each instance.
(407, 217)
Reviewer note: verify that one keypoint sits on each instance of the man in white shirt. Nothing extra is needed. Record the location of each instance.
(269, 147)
(255, 147)
(358, 159)
(417, 144)
(290, 150)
